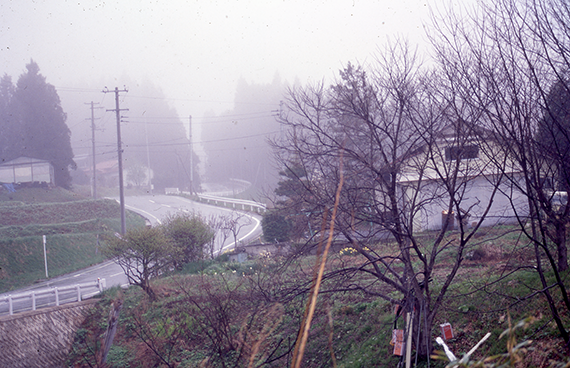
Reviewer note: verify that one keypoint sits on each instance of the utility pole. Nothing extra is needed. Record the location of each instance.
(191, 156)
(94, 177)
(149, 172)
(117, 111)
(278, 115)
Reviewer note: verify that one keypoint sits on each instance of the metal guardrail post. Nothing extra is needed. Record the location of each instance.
(33, 300)
(78, 288)
(10, 306)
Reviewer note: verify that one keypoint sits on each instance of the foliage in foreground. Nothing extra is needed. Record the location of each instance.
(229, 314)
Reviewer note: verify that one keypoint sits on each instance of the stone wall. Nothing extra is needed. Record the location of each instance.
(41, 338)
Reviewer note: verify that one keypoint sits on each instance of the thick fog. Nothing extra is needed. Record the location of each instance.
(226, 63)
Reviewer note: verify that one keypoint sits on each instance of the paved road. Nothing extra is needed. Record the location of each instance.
(153, 207)
(156, 207)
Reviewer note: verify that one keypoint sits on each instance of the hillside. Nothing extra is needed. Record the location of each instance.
(71, 224)
(38, 195)
(222, 314)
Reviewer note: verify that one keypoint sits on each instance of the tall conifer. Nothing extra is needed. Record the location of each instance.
(42, 121)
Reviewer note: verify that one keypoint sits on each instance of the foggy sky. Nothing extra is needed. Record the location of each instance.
(196, 51)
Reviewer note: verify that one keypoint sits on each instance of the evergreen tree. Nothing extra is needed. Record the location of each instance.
(42, 121)
(554, 132)
(292, 191)
(10, 134)
(276, 228)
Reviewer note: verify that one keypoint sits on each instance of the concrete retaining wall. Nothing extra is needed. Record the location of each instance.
(41, 338)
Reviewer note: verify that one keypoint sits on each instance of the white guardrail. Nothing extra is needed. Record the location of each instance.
(240, 204)
(33, 300)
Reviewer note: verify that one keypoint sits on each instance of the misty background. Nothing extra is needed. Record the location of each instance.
(227, 64)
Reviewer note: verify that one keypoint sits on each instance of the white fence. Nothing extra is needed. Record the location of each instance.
(55, 296)
(239, 204)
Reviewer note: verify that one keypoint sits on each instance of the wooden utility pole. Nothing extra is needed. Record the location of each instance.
(94, 177)
(149, 171)
(191, 156)
(117, 111)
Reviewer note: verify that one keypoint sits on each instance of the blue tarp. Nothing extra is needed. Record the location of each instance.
(9, 187)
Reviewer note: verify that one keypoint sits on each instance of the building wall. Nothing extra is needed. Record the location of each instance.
(26, 170)
(477, 197)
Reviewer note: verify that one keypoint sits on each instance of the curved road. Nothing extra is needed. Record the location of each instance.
(155, 208)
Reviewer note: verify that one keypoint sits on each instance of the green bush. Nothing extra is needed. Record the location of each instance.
(190, 233)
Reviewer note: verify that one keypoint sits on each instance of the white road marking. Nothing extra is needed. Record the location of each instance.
(245, 236)
(143, 211)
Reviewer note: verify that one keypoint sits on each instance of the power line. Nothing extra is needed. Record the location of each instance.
(90, 90)
(220, 119)
(235, 149)
(164, 143)
(243, 137)
(265, 112)
(168, 144)
(77, 89)
(200, 100)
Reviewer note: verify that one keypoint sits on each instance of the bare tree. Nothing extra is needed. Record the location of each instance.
(221, 233)
(406, 157)
(235, 222)
(223, 227)
(216, 306)
(508, 61)
(136, 174)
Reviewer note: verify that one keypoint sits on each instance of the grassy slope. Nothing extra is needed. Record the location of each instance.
(362, 324)
(71, 224)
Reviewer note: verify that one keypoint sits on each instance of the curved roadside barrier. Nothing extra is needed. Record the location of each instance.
(238, 204)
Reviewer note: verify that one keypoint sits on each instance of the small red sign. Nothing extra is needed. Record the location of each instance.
(446, 331)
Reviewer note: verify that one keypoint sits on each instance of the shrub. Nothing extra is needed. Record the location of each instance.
(190, 233)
